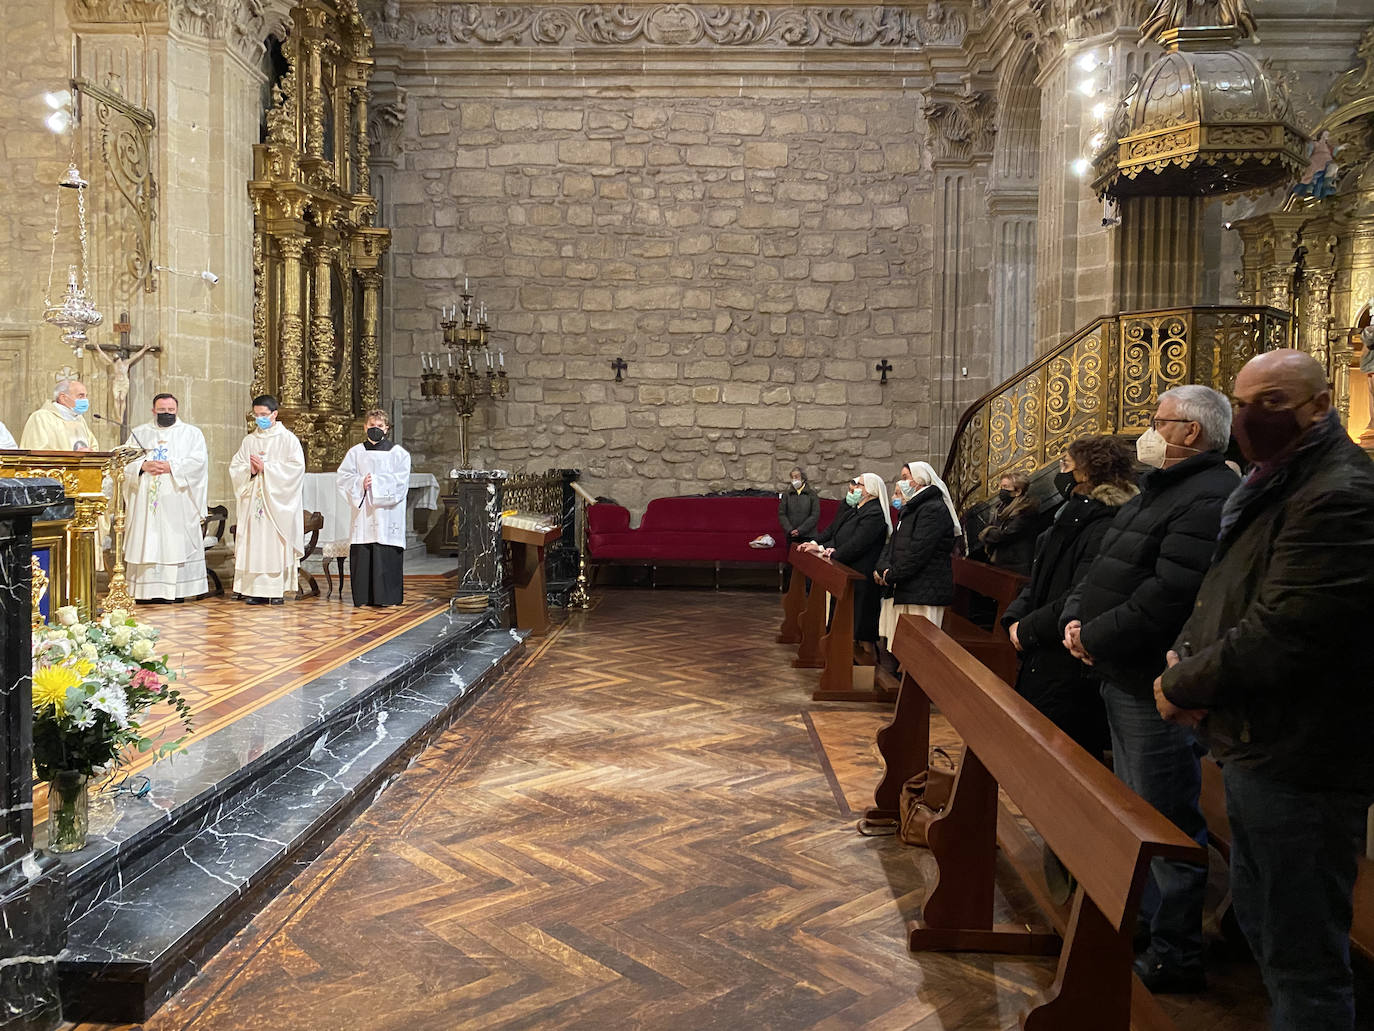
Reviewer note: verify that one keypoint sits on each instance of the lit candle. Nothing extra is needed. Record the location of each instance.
(465, 284)
(501, 357)
(424, 362)
(450, 359)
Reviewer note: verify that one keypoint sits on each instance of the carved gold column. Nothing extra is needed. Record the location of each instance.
(322, 374)
(1314, 323)
(364, 183)
(314, 102)
(261, 343)
(371, 351)
(290, 329)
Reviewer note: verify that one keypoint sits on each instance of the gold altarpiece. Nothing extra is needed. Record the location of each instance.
(317, 252)
(1315, 257)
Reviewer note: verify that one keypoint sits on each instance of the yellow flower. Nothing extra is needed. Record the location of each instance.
(50, 686)
(83, 667)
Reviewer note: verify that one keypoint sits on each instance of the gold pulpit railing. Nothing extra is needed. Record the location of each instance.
(70, 545)
(1105, 378)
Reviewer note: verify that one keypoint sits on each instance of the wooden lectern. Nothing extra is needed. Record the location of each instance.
(66, 546)
(528, 539)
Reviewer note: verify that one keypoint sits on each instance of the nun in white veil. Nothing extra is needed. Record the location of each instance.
(916, 569)
(857, 544)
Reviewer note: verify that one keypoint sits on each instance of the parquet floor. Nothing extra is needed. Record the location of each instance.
(633, 830)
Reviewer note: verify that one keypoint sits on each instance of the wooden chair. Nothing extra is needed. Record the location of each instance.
(212, 534)
(1104, 834)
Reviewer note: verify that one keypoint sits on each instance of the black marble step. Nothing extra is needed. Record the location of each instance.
(155, 903)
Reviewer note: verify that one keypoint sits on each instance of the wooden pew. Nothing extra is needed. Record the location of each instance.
(1102, 832)
(832, 652)
(994, 649)
(793, 605)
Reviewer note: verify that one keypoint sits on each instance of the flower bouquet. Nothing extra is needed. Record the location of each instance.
(91, 684)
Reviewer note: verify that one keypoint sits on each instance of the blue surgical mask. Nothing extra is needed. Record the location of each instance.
(81, 405)
(852, 498)
(264, 421)
(896, 501)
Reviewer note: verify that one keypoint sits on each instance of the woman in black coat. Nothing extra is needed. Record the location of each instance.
(799, 509)
(855, 539)
(915, 570)
(1051, 679)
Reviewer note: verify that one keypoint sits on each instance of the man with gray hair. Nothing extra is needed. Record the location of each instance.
(60, 425)
(1122, 619)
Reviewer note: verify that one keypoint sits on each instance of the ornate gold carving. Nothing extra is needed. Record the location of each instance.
(371, 352)
(260, 331)
(36, 592)
(1104, 379)
(312, 190)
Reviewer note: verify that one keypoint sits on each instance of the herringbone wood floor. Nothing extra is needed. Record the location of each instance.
(633, 831)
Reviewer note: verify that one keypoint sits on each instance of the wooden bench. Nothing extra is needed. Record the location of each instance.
(993, 648)
(1104, 834)
(804, 617)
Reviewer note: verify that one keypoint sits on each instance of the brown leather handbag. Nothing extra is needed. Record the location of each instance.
(923, 798)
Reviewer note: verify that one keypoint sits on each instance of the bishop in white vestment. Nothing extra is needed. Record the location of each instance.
(165, 498)
(267, 473)
(374, 476)
(60, 425)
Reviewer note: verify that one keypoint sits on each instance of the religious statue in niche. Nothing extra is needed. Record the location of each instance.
(1320, 178)
(1367, 367)
(1177, 14)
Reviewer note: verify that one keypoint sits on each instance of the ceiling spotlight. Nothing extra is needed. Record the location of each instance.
(1081, 166)
(1088, 61)
(1087, 87)
(59, 121)
(1099, 109)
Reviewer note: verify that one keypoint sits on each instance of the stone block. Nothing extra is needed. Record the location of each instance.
(813, 298)
(820, 418)
(759, 418)
(607, 416)
(740, 121)
(475, 116)
(435, 123)
(737, 243)
(523, 154)
(702, 156)
(832, 272)
(662, 154)
(706, 395)
(711, 469)
(740, 394)
(648, 297)
(712, 370)
(479, 184)
(720, 417)
(516, 119)
(569, 121)
(765, 155)
(777, 396)
(584, 152)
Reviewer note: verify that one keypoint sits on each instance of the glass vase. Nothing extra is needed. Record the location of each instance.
(68, 811)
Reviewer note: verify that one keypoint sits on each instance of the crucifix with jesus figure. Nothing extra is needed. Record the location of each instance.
(124, 358)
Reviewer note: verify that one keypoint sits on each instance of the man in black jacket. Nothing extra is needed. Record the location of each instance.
(1122, 619)
(1272, 666)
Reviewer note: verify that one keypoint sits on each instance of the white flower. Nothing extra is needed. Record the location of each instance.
(118, 617)
(83, 718)
(111, 700)
(90, 652)
(122, 636)
(145, 630)
(68, 616)
(142, 650)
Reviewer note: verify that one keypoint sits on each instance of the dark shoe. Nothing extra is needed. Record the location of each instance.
(1166, 978)
(255, 601)
(278, 601)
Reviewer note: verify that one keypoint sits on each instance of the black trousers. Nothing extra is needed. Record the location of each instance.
(377, 574)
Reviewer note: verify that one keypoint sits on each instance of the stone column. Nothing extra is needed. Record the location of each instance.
(322, 373)
(290, 328)
(1013, 282)
(33, 888)
(960, 134)
(370, 358)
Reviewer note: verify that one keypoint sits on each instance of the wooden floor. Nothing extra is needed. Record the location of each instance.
(636, 829)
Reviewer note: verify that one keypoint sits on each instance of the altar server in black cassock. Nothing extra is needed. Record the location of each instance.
(374, 476)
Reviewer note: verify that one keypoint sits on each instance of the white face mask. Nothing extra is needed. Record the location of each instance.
(1152, 449)
(796, 484)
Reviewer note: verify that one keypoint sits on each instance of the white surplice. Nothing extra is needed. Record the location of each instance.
(56, 427)
(271, 520)
(7, 442)
(163, 544)
(379, 513)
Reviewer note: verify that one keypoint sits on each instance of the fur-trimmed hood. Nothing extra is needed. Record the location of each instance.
(1114, 494)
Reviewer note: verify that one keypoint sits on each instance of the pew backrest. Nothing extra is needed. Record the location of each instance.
(1102, 832)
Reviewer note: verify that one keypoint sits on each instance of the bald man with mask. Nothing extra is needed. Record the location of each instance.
(61, 425)
(1273, 671)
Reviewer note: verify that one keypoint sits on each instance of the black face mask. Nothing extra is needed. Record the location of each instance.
(165, 419)
(1064, 483)
(1004, 497)
(375, 434)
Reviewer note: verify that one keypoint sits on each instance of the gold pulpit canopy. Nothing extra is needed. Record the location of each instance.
(71, 544)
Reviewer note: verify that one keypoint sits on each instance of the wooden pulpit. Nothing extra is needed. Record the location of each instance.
(528, 537)
(66, 545)
(833, 650)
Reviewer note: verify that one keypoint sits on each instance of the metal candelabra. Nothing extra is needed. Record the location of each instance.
(461, 377)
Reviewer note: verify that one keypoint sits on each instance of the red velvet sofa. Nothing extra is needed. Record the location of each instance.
(707, 531)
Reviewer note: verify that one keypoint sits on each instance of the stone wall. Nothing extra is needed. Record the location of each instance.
(752, 261)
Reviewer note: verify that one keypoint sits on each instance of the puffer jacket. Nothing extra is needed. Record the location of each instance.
(917, 557)
(1050, 678)
(1273, 648)
(1140, 589)
(799, 510)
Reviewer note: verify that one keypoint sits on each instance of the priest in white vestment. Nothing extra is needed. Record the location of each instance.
(374, 476)
(7, 442)
(164, 500)
(267, 473)
(61, 424)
